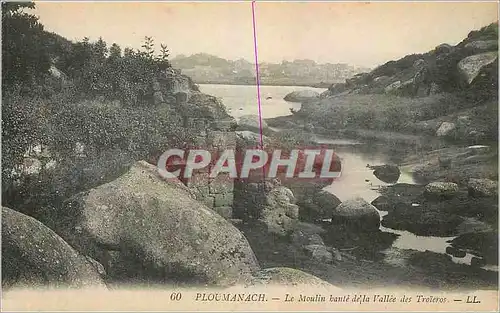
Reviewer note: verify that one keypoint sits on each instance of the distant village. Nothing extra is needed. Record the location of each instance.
(205, 68)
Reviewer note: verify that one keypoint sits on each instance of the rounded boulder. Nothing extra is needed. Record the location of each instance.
(358, 214)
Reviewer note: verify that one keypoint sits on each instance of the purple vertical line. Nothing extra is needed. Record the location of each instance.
(257, 78)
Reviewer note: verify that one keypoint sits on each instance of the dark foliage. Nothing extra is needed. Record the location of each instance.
(61, 95)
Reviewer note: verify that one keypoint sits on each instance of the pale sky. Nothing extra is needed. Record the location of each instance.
(363, 34)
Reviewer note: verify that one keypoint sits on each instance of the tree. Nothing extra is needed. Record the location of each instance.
(128, 52)
(100, 50)
(25, 58)
(163, 62)
(115, 52)
(149, 47)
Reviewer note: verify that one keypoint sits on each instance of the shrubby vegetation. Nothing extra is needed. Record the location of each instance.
(97, 97)
(418, 92)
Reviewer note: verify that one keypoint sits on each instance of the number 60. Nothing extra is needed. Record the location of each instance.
(174, 296)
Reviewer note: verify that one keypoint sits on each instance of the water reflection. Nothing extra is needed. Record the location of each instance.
(357, 179)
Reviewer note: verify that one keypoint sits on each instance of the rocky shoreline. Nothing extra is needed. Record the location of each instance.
(338, 242)
(102, 215)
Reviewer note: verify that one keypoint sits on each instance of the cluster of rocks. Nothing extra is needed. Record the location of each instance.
(268, 202)
(458, 164)
(470, 125)
(446, 209)
(315, 225)
(137, 228)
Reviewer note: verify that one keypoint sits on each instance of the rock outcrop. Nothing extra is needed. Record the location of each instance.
(418, 91)
(35, 256)
(301, 96)
(143, 227)
(471, 66)
(410, 208)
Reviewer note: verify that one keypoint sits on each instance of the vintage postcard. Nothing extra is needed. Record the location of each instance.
(249, 156)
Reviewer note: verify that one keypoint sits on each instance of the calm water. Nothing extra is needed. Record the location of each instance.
(356, 179)
(242, 100)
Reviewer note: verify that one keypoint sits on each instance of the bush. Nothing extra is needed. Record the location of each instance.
(112, 136)
(21, 130)
(58, 113)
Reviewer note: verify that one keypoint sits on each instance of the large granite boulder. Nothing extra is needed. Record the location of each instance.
(35, 256)
(357, 214)
(471, 66)
(301, 96)
(156, 231)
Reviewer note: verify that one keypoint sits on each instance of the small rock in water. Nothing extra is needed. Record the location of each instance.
(459, 254)
(386, 173)
(477, 262)
(450, 250)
